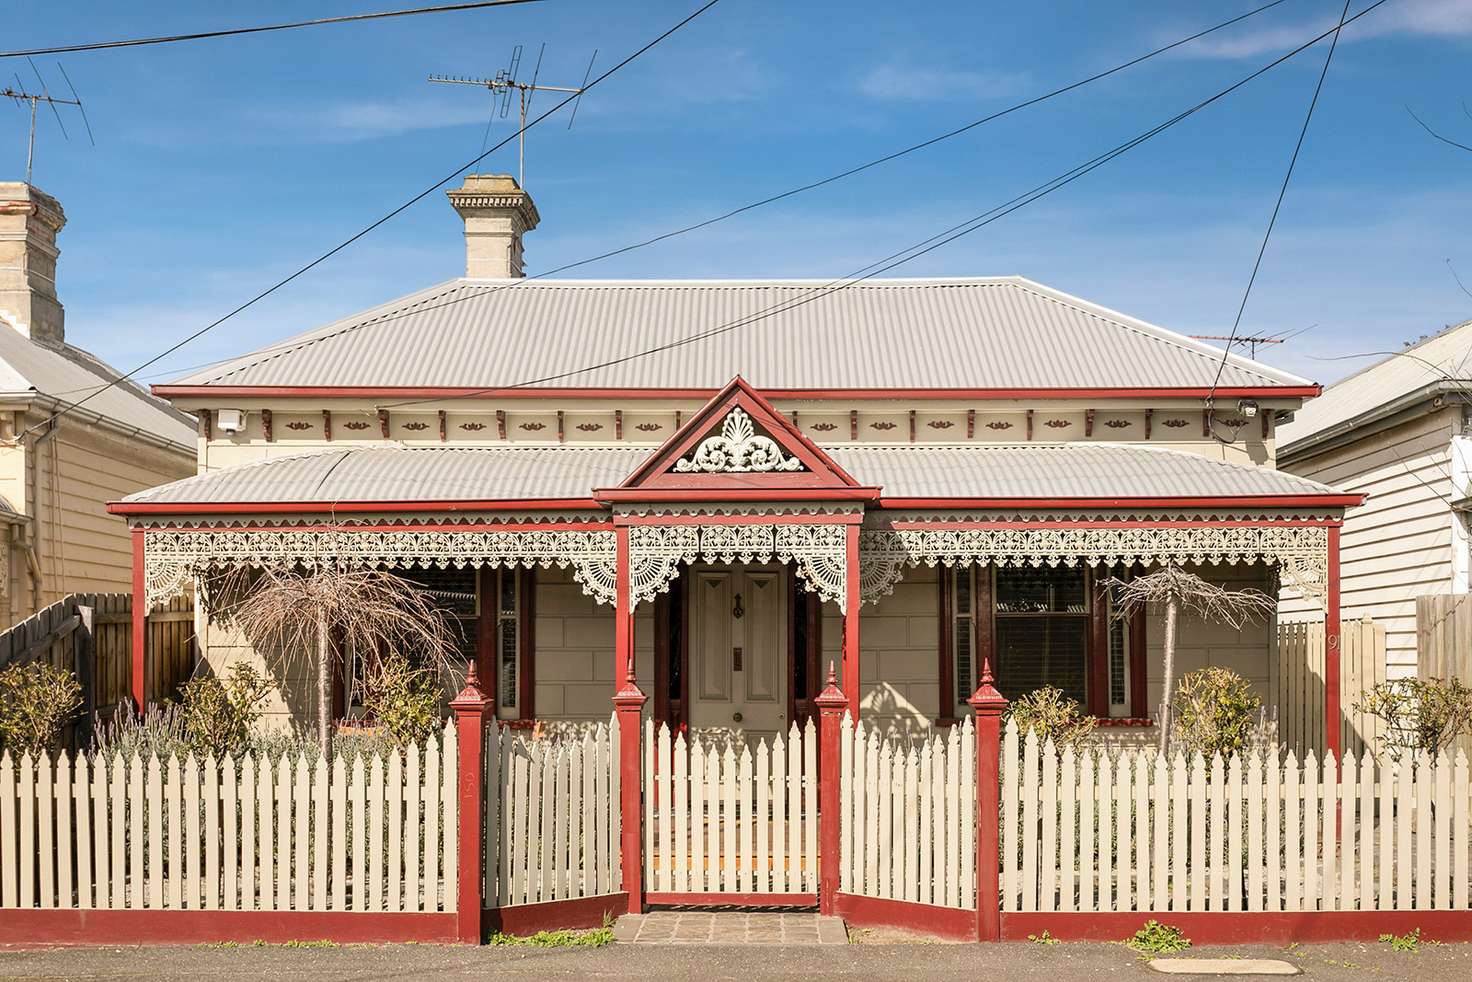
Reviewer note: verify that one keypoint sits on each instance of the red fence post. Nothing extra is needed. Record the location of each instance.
(471, 707)
(832, 704)
(629, 702)
(989, 706)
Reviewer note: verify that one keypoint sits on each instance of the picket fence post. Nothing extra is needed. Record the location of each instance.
(989, 706)
(471, 707)
(629, 704)
(832, 704)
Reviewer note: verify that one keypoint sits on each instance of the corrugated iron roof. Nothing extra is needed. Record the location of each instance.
(69, 375)
(373, 474)
(1444, 357)
(1004, 332)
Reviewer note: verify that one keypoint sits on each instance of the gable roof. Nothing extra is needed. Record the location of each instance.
(973, 333)
(1441, 361)
(67, 375)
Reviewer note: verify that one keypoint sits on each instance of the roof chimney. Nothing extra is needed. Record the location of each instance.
(497, 214)
(29, 221)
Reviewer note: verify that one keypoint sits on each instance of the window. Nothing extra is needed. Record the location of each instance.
(507, 630)
(1042, 624)
(1119, 660)
(963, 630)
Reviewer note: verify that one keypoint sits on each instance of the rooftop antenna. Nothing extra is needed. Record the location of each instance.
(19, 94)
(505, 83)
(1252, 342)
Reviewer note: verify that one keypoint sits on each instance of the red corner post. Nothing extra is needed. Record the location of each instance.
(471, 707)
(1332, 645)
(851, 621)
(628, 701)
(140, 622)
(832, 704)
(989, 706)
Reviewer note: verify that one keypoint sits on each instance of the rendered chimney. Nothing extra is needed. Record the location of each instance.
(497, 213)
(29, 221)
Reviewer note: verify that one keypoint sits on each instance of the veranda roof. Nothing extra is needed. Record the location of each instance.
(406, 476)
(798, 335)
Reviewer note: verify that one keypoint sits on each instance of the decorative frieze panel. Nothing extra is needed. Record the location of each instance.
(737, 449)
(173, 558)
(818, 551)
(1300, 551)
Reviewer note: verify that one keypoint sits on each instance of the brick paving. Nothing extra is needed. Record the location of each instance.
(729, 927)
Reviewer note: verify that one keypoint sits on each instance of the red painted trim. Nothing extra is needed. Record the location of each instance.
(719, 488)
(668, 898)
(133, 927)
(167, 391)
(595, 526)
(1211, 927)
(140, 624)
(951, 923)
(317, 507)
(556, 915)
(841, 519)
(831, 705)
(851, 677)
(989, 707)
(628, 702)
(1332, 648)
(949, 523)
(1221, 501)
(470, 708)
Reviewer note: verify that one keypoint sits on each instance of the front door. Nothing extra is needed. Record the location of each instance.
(738, 649)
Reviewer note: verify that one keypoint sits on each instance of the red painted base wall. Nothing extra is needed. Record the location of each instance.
(557, 915)
(942, 922)
(96, 927)
(1206, 927)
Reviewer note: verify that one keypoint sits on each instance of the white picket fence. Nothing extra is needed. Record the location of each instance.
(716, 822)
(552, 820)
(1095, 831)
(909, 816)
(202, 834)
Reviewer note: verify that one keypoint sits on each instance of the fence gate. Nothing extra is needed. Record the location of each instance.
(726, 823)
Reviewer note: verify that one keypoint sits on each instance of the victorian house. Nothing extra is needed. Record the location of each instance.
(718, 488)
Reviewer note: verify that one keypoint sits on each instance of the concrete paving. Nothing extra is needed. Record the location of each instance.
(729, 927)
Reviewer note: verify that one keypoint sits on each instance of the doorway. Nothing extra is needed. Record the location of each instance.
(738, 652)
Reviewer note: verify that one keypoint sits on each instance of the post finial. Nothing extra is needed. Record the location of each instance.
(472, 697)
(986, 699)
(832, 697)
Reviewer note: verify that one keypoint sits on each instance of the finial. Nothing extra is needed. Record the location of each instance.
(832, 673)
(986, 671)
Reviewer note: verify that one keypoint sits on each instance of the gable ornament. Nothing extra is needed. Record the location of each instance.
(737, 449)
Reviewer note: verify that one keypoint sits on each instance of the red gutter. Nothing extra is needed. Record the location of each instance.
(738, 494)
(318, 507)
(1251, 501)
(480, 392)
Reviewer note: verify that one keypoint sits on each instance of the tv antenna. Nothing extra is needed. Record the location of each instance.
(19, 95)
(505, 83)
(1250, 342)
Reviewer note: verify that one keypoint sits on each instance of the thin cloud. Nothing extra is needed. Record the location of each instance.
(356, 120)
(1445, 19)
(895, 82)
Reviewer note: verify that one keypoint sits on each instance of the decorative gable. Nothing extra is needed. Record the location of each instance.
(738, 446)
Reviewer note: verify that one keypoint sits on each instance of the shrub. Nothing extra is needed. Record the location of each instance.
(218, 715)
(1159, 939)
(1419, 714)
(159, 733)
(1053, 716)
(36, 701)
(1214, 712)
(405, 700)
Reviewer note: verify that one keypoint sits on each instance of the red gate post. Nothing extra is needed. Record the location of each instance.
(628, 702)
(470, 707)
(832, 704)
(989, 706)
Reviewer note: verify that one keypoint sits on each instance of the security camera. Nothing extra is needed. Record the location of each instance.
(1247, 408)
(230, 421)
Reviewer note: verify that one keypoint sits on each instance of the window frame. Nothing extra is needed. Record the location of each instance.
(489, 637)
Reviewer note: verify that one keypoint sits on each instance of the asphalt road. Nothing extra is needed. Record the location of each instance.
(911, 962)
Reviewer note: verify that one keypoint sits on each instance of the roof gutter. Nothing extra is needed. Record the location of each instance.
(530, 392)
(354, 507)
(57, 406)
(1385, 412)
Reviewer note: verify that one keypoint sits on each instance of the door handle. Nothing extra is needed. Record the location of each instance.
(735, 659)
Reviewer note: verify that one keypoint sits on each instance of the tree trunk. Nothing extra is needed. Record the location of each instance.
(324, 688)
(1172, 605)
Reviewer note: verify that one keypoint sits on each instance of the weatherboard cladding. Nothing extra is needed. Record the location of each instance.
(402, 474)
(888, 334)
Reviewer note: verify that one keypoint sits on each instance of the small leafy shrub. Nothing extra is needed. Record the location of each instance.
(405, 700)
(1214, 712)
(1410, 941)
(36, 701)
(1052, 716)
(218, 715)
(1159, 939)
(596, 938)
(1044, 938)
(1419, 714)
(159, 733)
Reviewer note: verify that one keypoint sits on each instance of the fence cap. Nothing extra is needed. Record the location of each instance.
(986, 700)
(472, 698)
(832, 696)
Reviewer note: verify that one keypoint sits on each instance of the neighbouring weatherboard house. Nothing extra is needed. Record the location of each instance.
(907, 478)
(60, 466)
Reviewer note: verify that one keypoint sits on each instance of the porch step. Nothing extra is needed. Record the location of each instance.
(729, 927)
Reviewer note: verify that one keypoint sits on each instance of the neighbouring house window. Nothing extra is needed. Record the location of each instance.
(1042, 630)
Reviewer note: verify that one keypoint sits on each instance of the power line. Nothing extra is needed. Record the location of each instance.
(935, 241)
(1282, 192)
(375, 224)
(261, 29)
(771, 199)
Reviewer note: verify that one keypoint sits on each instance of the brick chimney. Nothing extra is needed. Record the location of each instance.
(497, 213)
(29, 221)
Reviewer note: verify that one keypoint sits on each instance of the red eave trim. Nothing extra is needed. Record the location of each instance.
(1046, 504)
(323, 507)
(613, 495)
(465, 392)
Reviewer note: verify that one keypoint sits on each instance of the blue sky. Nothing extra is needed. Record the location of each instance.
(222, 165)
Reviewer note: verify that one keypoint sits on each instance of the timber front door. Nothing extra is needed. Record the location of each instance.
(738, 649)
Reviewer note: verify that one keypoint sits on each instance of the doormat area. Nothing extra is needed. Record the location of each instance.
(729, 927)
